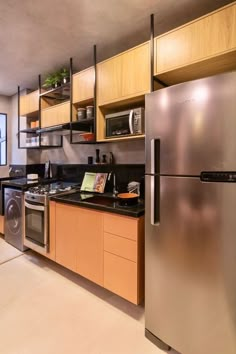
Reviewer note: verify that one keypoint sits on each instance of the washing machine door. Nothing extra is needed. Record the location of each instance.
(13, 217)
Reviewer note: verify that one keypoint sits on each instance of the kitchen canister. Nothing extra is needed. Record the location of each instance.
(81, 112)
(90, 112)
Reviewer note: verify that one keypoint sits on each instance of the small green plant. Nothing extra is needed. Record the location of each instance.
(49, 81)
(53, 80)
(65, 75)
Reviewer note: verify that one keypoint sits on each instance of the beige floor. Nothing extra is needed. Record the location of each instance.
(46, 309)
(7, 252)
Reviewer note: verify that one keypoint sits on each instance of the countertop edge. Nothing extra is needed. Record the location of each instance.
(87, 205)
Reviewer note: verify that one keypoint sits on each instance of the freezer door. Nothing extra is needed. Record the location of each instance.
(190, 264)
(195, 124)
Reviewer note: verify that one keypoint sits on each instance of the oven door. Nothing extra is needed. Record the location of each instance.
(36, 223)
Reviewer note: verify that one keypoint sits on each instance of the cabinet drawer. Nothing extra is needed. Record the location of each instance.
(120, 276)
(120, 246)
(121, 225)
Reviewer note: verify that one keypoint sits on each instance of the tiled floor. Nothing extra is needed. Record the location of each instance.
(46, 309)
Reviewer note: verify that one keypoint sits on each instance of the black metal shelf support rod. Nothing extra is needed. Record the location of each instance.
(40, 107)
(71, 98)
(18, 112)
(152, 77)
(95, 91)
(95, 104)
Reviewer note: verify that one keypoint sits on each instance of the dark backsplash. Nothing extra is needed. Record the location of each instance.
(125, 173)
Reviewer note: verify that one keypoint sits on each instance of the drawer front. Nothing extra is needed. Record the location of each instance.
(120, 246)
(121, 226)
(120, 276)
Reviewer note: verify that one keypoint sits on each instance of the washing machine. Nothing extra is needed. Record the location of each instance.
(13, 220)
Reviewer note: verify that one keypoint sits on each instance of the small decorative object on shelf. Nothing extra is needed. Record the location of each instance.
(81, 113)
(89, 112)
(97, 156)
(52, 80)
(65, 75)
(104, 158)
(111, 159)
(56, 79)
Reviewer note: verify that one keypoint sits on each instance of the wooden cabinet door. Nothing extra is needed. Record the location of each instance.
(29, 103)
(109, 75)
(90, 245)
(67, 232)
(83, 85)
(120, 276)
(33, 101)
(203, 38)
(49, 117)
(63, 113)
(136, 71)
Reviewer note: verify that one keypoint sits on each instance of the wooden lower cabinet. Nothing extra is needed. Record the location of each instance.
(66, 223)
(124, 256)
(1, 224)
(105, 248)
(79, 241)
(90, 245)
(120, 276)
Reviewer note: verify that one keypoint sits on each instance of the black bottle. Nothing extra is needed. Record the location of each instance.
(111, 159)
(104, 158)
(97, 156)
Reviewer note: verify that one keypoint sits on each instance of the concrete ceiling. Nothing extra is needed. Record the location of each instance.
(37, 37)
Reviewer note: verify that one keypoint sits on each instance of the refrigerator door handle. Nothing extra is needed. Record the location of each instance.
(155, 202)
(155, 156)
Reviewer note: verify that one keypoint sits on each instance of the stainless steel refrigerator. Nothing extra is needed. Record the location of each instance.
(190, 236)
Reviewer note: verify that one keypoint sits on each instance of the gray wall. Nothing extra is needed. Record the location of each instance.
(5, 107)
(124, 152)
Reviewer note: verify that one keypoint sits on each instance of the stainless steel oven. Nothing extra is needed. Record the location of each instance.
(36, 221)
(36, 207)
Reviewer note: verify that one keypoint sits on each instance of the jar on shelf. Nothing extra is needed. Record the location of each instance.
(81, 113)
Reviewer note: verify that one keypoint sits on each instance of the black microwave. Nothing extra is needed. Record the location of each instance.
(130, 122)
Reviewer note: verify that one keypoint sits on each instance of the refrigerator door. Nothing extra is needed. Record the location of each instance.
(191, 264)
(195, 123)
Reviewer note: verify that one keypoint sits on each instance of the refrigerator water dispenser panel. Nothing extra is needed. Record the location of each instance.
(226, 177)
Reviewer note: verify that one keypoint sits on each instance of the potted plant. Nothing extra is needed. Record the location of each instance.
(56, 79)
(53, 80)
(65, 75)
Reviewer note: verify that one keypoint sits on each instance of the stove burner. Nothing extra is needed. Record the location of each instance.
(52, 188)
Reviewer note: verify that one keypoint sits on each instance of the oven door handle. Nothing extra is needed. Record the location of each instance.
(34, 207)
(131, 127)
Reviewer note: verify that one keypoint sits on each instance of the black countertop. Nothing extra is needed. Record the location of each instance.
(24, 183)
(103, 202)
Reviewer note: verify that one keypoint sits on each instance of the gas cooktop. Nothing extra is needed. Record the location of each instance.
(53, 188)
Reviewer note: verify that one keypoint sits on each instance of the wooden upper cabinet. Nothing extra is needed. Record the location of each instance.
(90, 245)
(83, 85)
(66, 229)
(202, 47)
(55, 115)
(29, 103)
(136, 71)
(109, 74)
(124, 76)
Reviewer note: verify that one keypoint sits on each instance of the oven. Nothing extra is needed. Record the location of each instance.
(36, 213)
(36, 222)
